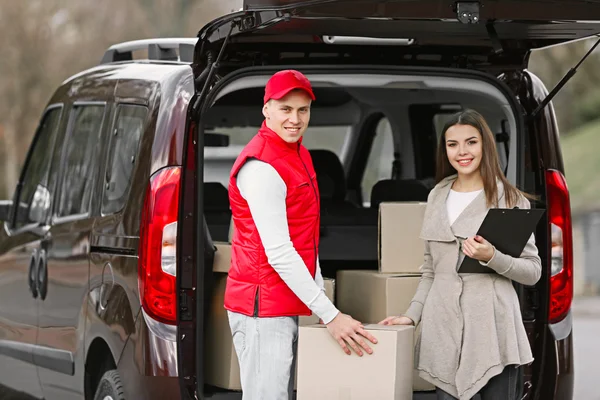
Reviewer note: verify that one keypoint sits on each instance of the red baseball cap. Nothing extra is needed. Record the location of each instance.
(282, 82)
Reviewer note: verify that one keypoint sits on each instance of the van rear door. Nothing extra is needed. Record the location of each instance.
(489, 26)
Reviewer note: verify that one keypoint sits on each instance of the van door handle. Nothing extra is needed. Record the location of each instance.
(42, 275)
(33, 273)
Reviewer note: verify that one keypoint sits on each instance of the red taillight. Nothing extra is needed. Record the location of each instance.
(157, 248)
(561, 269)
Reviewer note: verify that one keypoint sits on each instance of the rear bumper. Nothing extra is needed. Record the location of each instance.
(148, 364)
(558, 379)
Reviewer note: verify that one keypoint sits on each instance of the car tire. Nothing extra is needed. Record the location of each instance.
(110, 387)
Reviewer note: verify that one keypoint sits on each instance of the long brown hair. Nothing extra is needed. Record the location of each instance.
(490, 164)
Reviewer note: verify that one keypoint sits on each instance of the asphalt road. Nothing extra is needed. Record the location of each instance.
(586, 313)
(586, 329)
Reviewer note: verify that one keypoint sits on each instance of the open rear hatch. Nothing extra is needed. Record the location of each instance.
(488, 29)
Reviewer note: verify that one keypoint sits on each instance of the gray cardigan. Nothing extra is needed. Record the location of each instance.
(471, 324)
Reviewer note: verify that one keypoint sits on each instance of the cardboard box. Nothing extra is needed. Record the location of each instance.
(231, 229)
(221, 364)
(326, 372)
(330, 293)
(400, 248)
(370, 297)
(222, 261)
(313, 319)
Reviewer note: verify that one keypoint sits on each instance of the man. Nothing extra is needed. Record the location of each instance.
(275, 274)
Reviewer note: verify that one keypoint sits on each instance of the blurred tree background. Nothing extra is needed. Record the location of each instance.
(44, 42)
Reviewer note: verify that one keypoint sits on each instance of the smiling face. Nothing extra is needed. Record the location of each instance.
(289, 116)
(464, 149)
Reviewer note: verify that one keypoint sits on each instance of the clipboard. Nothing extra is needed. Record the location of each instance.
(508, 229)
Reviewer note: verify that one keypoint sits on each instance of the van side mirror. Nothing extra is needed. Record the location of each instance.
(216, 140)
(5, 206)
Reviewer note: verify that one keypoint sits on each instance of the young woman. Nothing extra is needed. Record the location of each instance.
(472, 334)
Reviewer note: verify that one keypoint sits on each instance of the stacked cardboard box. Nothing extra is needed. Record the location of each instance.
(222, 260)
(400, 248)
(221, 363)
(371, 296)
(368, 296)
(221, 366)
(326, 372)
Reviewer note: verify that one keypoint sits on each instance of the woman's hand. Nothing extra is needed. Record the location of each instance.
(478, 248)
(397, 321)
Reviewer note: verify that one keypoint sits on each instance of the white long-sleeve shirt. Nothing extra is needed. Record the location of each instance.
(265, 191)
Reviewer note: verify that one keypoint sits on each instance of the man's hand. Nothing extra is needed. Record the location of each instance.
(402, 320)
(478, 248)
(348, 331)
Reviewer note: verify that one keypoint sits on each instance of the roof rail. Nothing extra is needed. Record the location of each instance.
(162, 49)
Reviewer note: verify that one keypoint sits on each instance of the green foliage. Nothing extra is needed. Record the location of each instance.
(587, 109)
(582, 165)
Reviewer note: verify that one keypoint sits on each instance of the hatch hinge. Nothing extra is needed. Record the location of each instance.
(204, 80)
(491, 30)
(562, 82)
(467, 12)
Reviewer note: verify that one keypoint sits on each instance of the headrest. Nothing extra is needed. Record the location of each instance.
(330, 175)
(216, 197)
(398, 190)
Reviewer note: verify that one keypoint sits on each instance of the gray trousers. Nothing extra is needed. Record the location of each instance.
(266, 350)
(500, 387)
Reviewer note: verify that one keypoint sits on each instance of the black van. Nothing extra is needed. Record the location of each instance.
(106, 249)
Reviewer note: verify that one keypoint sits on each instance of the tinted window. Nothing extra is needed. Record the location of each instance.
(80, 160)
(219, 160)
(381, 158)
(122, 154)
(38, 184)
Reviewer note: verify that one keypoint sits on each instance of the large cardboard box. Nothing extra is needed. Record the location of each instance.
(400, 248)
(313, 319)
(222, 261)
(221, 367)
(221, 364)
(326, 372)
(370, 297)
(330, 293)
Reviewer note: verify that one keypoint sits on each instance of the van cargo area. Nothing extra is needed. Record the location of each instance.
(372, 137)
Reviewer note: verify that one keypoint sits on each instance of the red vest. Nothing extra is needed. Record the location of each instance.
(254, 288)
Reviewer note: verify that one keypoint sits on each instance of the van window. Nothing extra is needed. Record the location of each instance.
(124, 141)
(219, 161)
(332, 138)
(380, 161)
(426, 123)
(38, 181)
(80, 160)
